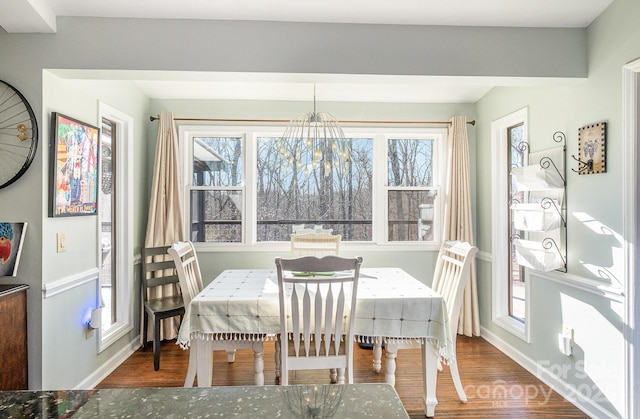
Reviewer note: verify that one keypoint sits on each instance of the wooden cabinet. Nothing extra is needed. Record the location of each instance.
(13, 345)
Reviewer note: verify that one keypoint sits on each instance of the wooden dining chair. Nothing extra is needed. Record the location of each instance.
(451, 276)
(316, 314)
(315, 244)
(160, 294)
(190, 277)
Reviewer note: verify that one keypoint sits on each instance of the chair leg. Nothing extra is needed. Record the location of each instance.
(283, 371)
(277, 360)
(145, 329)
(455, 375)
(156, 343)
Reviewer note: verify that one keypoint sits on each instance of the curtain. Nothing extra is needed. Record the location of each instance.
(458, 222)
(164, 224)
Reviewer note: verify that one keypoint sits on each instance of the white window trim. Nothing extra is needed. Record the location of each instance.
(379, 210)
(123, 127)
(500, 237)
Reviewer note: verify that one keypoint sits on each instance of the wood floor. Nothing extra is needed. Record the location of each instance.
(495, 385)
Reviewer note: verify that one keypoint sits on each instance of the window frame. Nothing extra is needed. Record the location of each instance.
(500, 313)
(186, 156)
(439, 178)
(123, 128)
(379, 200)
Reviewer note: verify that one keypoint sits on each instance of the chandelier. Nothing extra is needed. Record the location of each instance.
(314, 141)
(313, 401)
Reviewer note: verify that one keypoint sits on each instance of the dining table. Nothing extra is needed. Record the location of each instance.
(242, 305)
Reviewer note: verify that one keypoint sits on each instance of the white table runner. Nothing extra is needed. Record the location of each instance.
(243, 305)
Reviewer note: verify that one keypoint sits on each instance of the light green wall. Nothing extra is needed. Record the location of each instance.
(64, 315)
(594, 204)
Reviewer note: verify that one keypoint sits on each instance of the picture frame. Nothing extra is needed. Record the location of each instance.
(74, 151)
(592, 149)
(11, 241)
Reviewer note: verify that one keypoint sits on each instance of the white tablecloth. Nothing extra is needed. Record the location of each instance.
(243, 305)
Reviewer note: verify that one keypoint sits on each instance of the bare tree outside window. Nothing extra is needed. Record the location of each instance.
(216, 194)
(411, 196)
(251, 185)
(331, 192)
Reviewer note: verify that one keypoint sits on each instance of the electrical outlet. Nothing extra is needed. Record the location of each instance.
(61, 242)
(89, 331)
(565, 341)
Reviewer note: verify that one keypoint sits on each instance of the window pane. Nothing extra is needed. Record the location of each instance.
(217, 161)
(411, 214)
(517, 157)
(410, 162)
(336, 196)
(216, 216)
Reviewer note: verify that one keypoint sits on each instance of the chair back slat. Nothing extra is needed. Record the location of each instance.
(158, 269)
(328, 320)
(318, 317)
(339, 314)
(295, 319)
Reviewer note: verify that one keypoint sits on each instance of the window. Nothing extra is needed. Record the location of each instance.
(116, 225)
(239, 190)
(517, 158)
(337, 197)
(511, 291)
(215, 190)
(410, 193)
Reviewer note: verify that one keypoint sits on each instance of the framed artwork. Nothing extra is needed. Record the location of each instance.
(591, 149)
(74, 167)
(11, 240)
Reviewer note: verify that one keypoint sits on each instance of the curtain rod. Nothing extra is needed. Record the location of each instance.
(286, 121)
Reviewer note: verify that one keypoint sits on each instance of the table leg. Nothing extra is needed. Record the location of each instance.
(277, 360)
(429, 376)
(390, 364)
(377, 353)
(204, 361)
(258, 363)
(193, 364)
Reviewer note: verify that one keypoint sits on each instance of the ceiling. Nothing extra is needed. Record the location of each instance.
(39, 16)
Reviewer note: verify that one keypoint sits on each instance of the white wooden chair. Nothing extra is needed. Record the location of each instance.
(451, 276)
(188, 268)
(316, 315)
(313, 244)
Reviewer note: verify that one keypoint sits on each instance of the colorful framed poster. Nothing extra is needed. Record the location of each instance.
(74, 167)
(591, 149)
(11, 240)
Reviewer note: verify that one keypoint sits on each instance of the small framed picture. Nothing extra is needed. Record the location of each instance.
(74, 167)
(592, 148)
(11, 240)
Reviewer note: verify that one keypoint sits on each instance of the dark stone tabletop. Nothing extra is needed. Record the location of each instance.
(286, 402)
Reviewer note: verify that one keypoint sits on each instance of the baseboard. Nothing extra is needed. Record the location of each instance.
(558, 385)
(110, 365)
